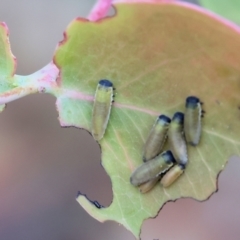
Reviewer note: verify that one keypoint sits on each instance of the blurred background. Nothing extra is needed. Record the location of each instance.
(42, 166)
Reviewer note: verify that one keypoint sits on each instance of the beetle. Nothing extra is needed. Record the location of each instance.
(172, 175)
(193, 118)
(102, 108)
(177, 140)
(156, 138)
(152, 168)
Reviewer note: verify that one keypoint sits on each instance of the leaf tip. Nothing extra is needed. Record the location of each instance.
(94, 203)
(5, 29)
(2, 107)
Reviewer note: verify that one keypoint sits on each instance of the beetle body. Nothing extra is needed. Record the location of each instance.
(147, 186)
(192, 121)
(156, 138)
(101, 108)
(176, 139)
(152, 168)
(172, 175)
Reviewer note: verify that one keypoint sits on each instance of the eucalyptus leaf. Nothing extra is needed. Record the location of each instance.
(156, 55)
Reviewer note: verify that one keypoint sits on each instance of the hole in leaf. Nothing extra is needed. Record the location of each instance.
(111, 12)
(42, 167)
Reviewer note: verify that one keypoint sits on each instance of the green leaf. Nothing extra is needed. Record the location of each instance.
(7, 62)
(156, 55)
(229, 9)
